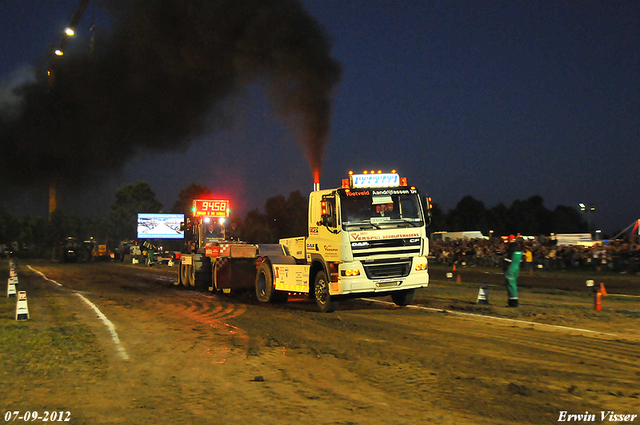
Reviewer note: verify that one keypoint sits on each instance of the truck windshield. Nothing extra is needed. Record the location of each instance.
(381, 209)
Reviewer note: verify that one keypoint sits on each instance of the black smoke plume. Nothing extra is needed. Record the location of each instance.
(157, 80)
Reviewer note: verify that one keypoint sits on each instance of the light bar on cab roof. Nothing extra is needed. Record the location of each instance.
(375, 180)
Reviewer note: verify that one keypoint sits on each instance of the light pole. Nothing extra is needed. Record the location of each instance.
(588, 210)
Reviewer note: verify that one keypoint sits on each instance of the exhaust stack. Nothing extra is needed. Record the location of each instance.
(316, 180)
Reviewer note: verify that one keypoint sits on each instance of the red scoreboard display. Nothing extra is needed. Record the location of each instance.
(210, 208)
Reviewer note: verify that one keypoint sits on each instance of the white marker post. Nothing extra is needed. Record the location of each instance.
(22, 308)
(11, 287)
(483, 294)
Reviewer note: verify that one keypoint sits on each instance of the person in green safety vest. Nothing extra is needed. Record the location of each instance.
(150, 253)
(511, 270)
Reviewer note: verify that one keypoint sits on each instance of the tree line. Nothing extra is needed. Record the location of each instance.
(527, 217)
(280, 217)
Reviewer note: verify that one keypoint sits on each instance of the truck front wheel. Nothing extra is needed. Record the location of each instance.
(323, 298)
(403, 298)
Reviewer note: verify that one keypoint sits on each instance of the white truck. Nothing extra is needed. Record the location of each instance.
(366, 238)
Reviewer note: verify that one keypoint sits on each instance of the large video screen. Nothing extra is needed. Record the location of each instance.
(160, 226)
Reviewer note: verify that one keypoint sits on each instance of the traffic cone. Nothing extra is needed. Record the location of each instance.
(602, 290)
(597, 301)
(458, 280)
(454, 267)
(483, 294)
(22, 308)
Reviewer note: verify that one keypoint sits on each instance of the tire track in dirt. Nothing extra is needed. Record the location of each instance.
(471, 360)
(620, 353)
(543, 348)
(559, 339)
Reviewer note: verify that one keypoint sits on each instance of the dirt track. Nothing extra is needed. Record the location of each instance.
(188, 357)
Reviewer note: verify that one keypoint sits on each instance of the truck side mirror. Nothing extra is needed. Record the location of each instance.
(327, 213)
(428, 206)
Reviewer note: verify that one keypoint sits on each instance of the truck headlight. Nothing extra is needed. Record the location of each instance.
(350, 272)
(421, 266)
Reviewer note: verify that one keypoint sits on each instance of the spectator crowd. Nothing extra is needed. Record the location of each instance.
(621, 256)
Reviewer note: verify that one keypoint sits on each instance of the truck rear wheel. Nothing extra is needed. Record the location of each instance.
(187, 274)
(403, 298)
(264, 283)
(183, 274)
(323, 298)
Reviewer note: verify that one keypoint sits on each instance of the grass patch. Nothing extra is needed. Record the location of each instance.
(47, 349)
(48, 352)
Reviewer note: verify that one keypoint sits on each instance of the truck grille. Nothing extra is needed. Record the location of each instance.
(391, 269)
(405, 247)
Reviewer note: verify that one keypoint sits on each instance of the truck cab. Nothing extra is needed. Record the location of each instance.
(366, 238)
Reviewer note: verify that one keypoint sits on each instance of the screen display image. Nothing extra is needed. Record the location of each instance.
(160, 226)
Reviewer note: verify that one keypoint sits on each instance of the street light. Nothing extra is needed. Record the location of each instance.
(588, 210)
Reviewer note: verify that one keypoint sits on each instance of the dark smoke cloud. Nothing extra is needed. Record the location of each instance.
(158, 80)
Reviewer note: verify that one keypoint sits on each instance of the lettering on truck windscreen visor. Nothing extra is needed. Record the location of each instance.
(380, 208)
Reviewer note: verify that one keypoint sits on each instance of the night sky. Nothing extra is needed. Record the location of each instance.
(500, 100)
